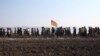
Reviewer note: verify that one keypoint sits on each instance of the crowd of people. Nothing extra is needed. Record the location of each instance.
(50, 32)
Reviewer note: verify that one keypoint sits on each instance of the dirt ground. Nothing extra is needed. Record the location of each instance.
(49, 46)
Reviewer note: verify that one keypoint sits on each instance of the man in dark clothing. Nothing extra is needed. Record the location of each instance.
(1, 33)
(19, 31)
(32, 32)
(26, 32)
(43, 31)
(53, 31)
(74, 31)
(9, 32)
(37, 32)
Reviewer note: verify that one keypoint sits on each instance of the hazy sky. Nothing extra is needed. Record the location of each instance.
(40, 12)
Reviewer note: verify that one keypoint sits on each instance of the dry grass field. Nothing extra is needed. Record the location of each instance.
(49, 47)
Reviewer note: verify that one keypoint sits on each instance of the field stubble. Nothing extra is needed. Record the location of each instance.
(49, 46)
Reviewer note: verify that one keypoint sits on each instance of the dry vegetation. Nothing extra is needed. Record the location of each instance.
(49, 47)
